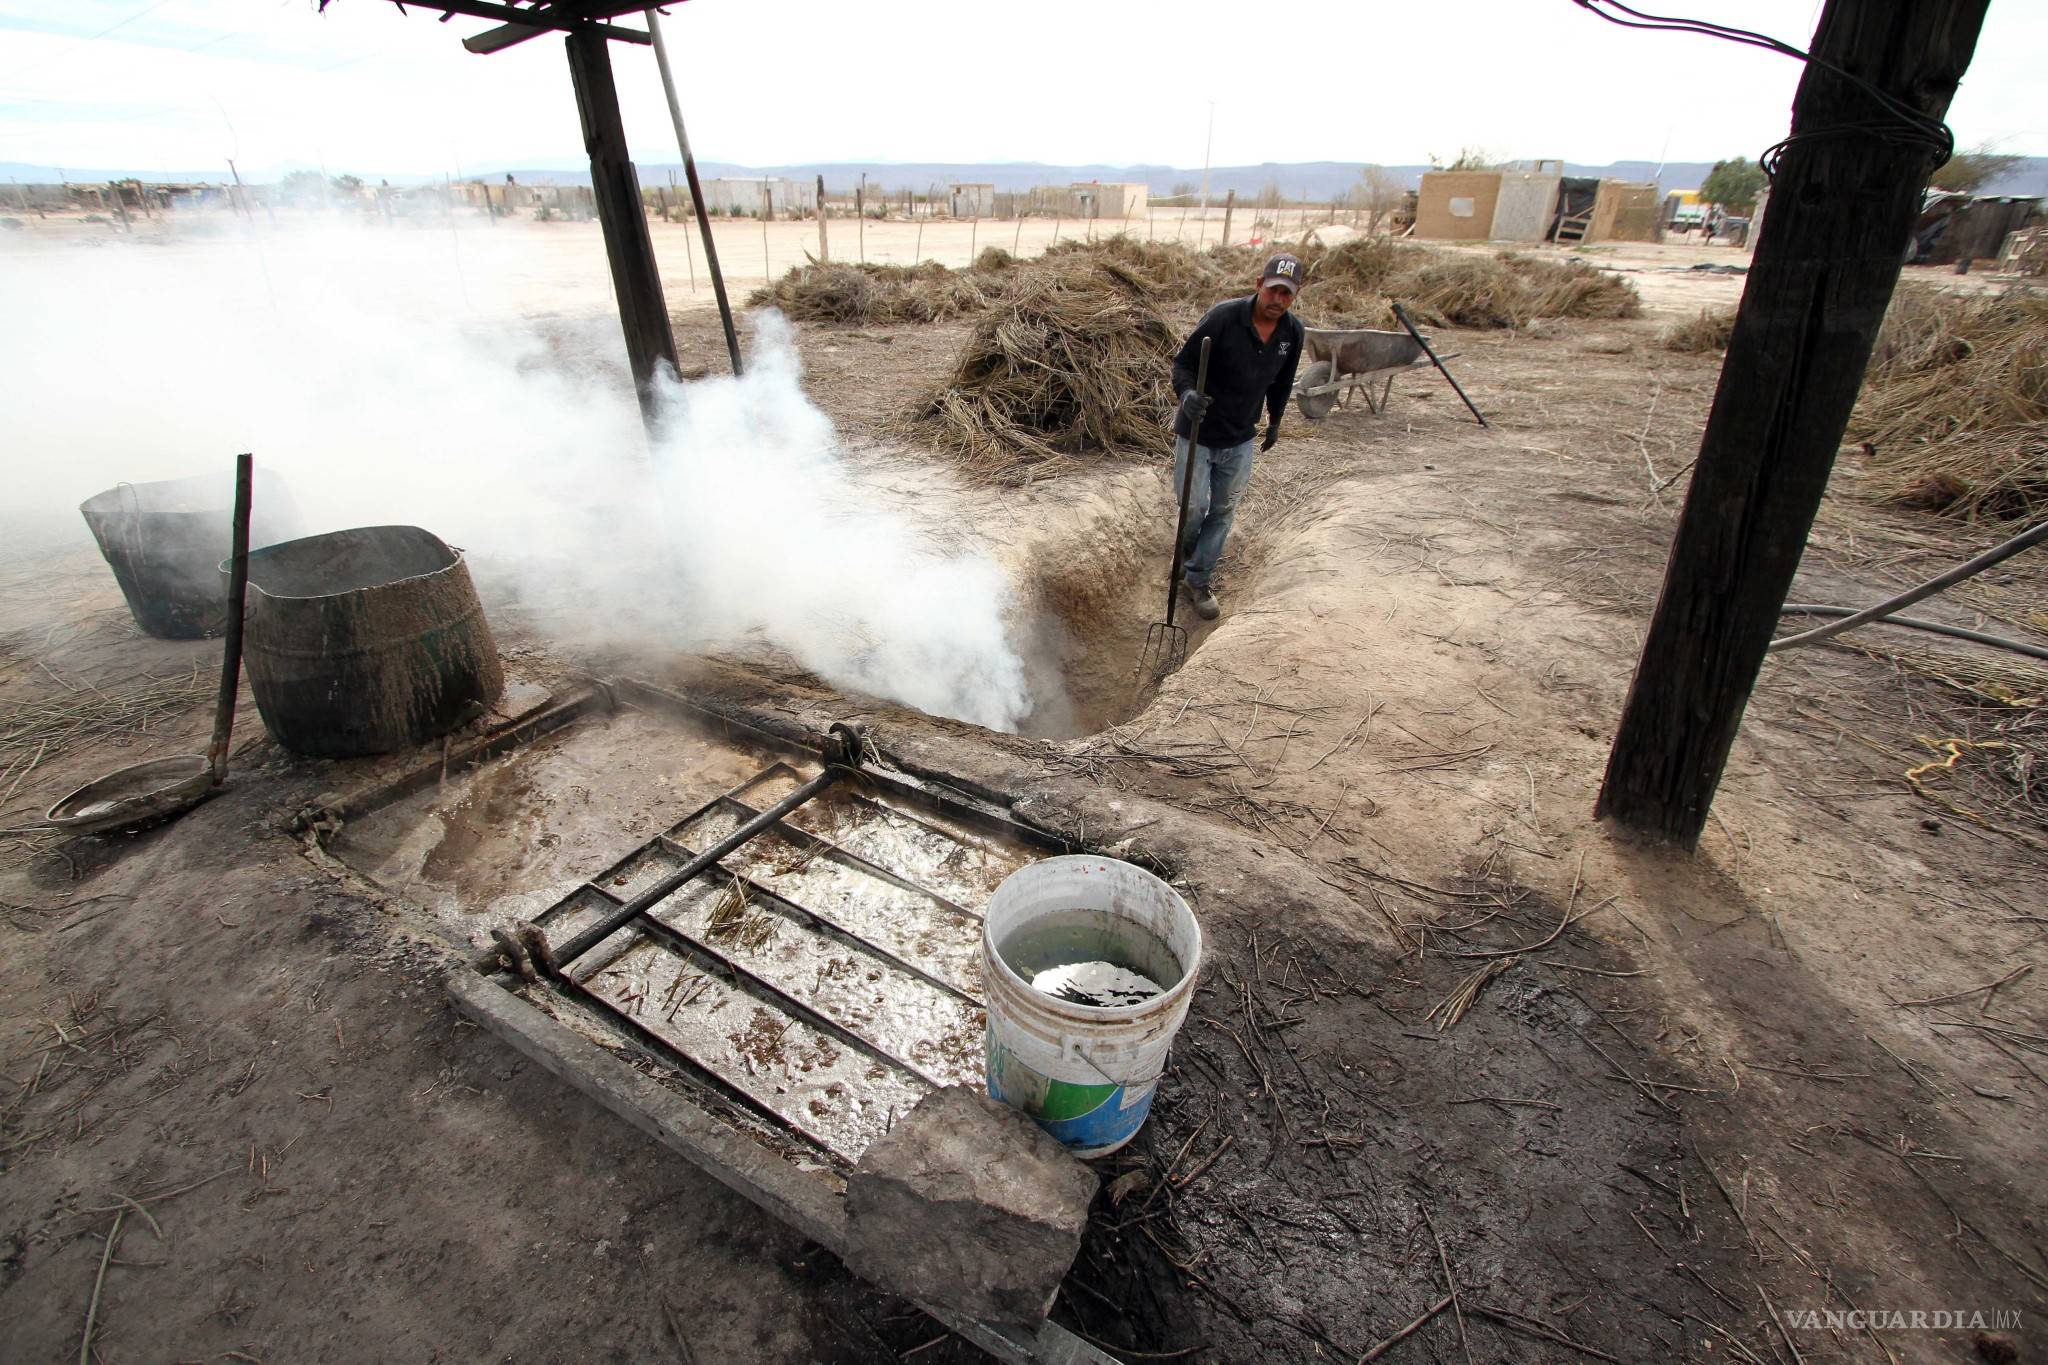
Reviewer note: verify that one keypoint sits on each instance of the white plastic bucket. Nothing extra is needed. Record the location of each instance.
(1086, 1073)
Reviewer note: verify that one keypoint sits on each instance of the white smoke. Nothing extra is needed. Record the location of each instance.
(392, 376)
(773, 537)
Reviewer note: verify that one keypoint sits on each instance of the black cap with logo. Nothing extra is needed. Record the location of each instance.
(1284, 269)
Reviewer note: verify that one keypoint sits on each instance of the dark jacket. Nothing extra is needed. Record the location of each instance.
(1244, 372)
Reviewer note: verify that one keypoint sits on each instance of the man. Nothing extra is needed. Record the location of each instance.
(1254, 347)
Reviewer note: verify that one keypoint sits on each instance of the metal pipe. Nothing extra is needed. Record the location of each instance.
(1479, 416)
(1994, 555)
(1912, 623)
(675, 113)
(667, 886)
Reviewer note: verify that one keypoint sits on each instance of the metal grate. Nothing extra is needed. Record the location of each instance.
(824, 973)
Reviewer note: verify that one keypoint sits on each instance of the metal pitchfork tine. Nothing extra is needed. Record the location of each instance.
(1166, 644)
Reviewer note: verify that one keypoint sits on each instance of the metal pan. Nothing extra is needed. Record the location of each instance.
(144, 793)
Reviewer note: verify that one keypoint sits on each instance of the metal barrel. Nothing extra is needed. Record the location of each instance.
(366, 641)
(163, 540)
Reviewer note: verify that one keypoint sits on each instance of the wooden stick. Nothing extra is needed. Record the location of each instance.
(1410, 1330)
(1516, 1322)
(1450, 1282)
(1771, 1309)
(1990, 987)
(92, 1306)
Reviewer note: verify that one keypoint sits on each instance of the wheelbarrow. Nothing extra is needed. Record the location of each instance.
(1347, 360)
(1352, 360)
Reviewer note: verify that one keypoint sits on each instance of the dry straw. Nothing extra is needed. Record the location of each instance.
(1070, 358)
(1070, 353)
(1956, 404)
(875, 294)
(1072, 362)
(1709, 331)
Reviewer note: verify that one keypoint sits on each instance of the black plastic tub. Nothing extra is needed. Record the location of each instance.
(165, 540)
(366, 641)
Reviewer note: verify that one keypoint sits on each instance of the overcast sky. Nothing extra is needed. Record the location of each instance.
(185, 84)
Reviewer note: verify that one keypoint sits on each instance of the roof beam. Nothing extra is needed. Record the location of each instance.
(521, 24)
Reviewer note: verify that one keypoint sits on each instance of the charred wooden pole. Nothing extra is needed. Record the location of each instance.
(1843, 199)
(615, 191)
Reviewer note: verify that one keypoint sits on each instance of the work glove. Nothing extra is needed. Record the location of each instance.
(1272, 435)
(1193, 408)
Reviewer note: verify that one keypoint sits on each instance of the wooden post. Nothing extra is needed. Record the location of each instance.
(824, 244)
(1229, 207)
(767, 212)
(689, 256)
(973, 231)
(675, 115)
(661, 197)
(1842, 206)
(860, 215)
(615, 192)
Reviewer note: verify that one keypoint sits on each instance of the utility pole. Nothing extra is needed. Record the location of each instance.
(1844, 197)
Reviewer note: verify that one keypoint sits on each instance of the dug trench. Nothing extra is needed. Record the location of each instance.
(1450, 1033)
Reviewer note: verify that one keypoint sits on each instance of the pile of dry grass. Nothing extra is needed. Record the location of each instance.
(1072, 357)
(1707, 332)
(1511, 290)
(1356, 283)
(1349, 285)
(1174, 278)
(1072, 362)
(870, 294)
(1955, 404)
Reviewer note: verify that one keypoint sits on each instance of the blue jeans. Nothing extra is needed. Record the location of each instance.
(1220, 479)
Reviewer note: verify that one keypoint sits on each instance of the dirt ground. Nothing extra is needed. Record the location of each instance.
(1629, 1103)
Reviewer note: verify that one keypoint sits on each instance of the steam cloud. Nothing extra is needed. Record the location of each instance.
(389, 376)
(771, 535)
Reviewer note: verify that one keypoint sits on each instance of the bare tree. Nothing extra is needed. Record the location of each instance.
(1967, 172)
(1377, 195)
(1469, 159)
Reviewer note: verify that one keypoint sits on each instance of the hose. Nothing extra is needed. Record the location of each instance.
(1851, 619)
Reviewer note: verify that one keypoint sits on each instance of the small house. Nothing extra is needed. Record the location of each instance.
(971, 201)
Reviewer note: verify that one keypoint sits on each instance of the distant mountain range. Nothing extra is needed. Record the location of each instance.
(1315, 181)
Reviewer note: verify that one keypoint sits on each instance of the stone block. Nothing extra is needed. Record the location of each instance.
(967, 1204)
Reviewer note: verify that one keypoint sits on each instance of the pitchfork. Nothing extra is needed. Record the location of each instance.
(1166, 644)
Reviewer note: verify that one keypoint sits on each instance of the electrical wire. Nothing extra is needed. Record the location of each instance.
(1908, 125)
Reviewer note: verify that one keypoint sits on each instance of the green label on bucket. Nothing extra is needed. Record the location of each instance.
(1085, 1117)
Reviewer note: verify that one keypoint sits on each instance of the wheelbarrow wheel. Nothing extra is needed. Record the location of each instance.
(1316, 406)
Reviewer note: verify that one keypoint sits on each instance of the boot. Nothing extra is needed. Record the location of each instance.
(1202, 600)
